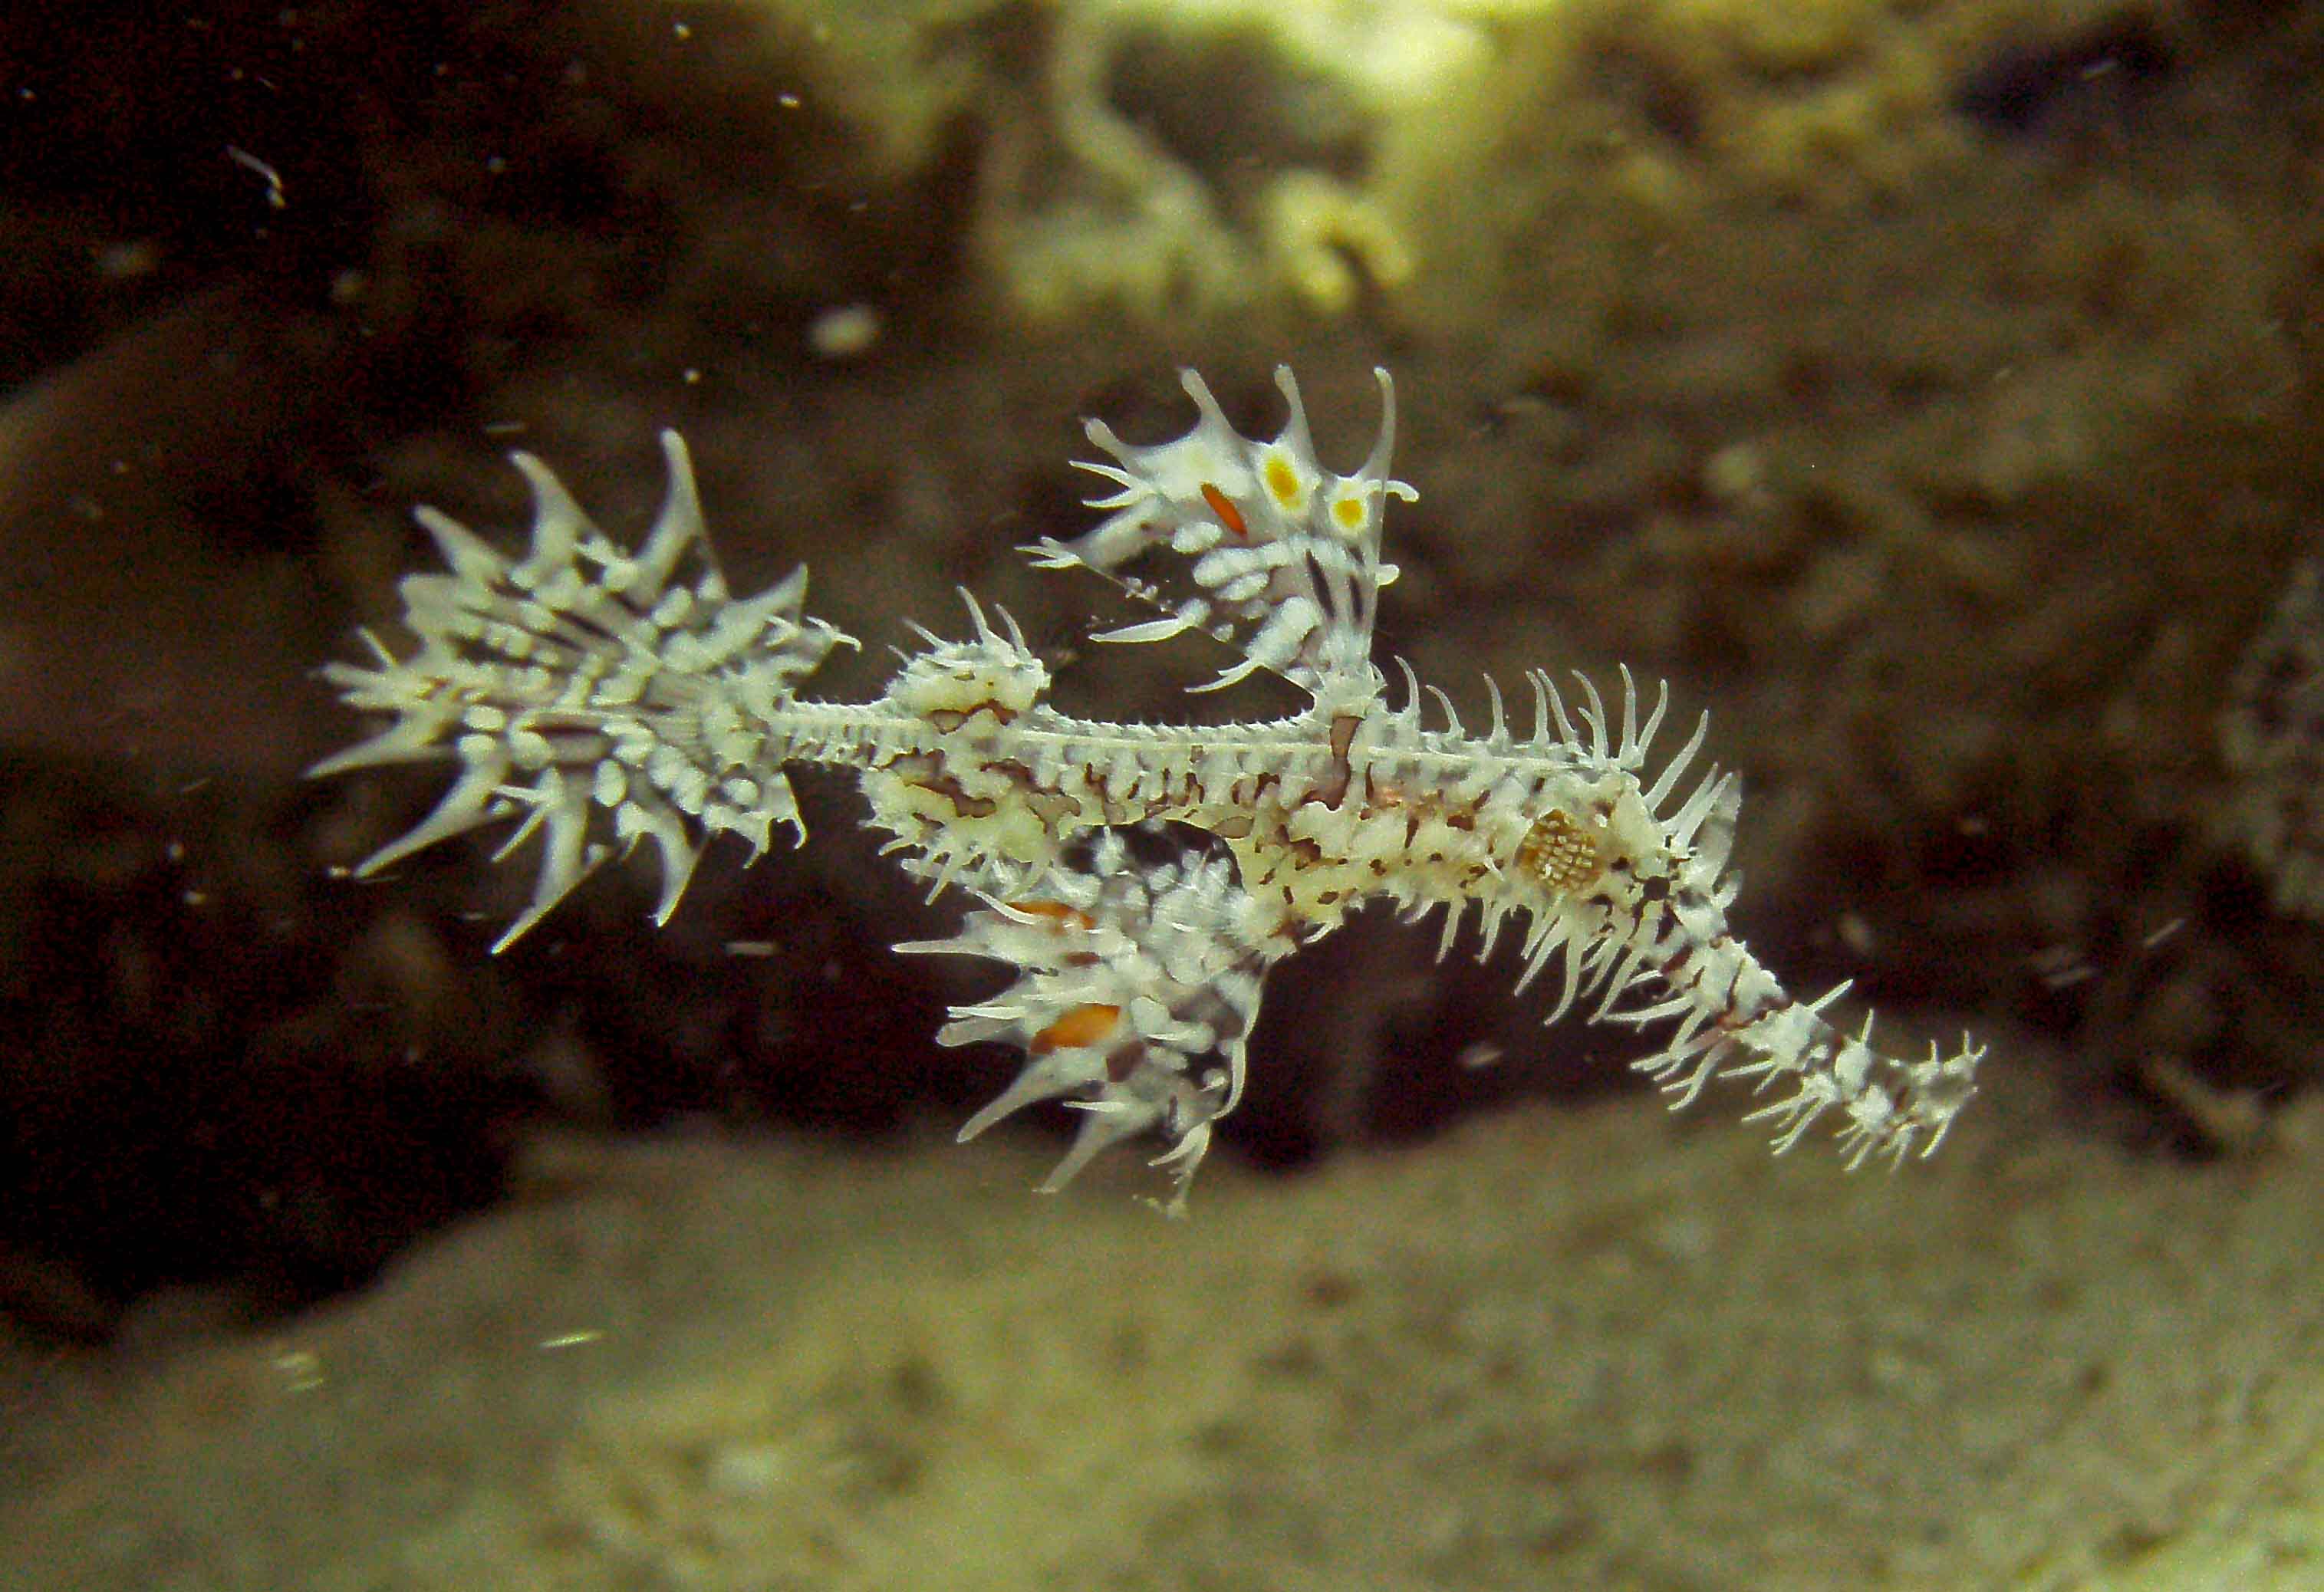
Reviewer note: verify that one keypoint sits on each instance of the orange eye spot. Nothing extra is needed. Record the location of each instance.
(1282, 480)
(1229, 515)
(1057, 912)
(1084, 1025)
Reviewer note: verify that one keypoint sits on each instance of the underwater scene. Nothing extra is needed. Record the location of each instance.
(952, 793)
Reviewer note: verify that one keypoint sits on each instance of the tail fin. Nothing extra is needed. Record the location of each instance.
(608, 696)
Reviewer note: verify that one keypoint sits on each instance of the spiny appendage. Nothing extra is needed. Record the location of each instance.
(1665, 928)
(1633, 900)
(957, 803)
(609, 697)
(1735, 1020)
(1558, 813)
(1131, 975)
(1285, 554)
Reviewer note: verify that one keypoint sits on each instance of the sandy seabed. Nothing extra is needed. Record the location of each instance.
(1600, 1348)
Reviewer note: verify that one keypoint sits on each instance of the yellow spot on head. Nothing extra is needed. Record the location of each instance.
(1350, 514)
(1282, 480)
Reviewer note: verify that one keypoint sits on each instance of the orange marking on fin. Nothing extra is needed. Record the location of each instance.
(1064, 917)
(1084, 1025)
(1229, 515)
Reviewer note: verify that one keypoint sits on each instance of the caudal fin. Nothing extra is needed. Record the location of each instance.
(601, 695)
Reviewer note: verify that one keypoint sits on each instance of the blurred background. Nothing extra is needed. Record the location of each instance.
(1928, 388)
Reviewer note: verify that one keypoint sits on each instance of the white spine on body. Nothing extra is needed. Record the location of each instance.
(606, 698)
